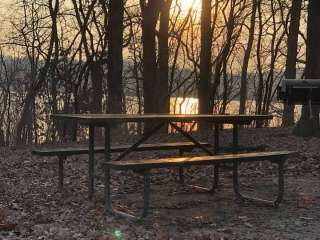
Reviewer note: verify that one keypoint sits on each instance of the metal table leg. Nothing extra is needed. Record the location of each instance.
(146, 197)
(235, 138)
(181, 172)
(274, 203)
(107, 184)
(107, 156)
(206, 150)
(146, 193)
(216, 151)
(91, 161)
(61, 174)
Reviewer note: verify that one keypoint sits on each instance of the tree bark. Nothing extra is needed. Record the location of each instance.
(150, 15)
(96, 78)
(37, 85)
(223, 56)
(204, 86)
(115, 57)
(163, 103)
(246, 58)
(288, 111)
(259, 66)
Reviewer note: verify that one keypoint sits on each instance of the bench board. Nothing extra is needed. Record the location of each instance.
(201, 160)
(68, 151)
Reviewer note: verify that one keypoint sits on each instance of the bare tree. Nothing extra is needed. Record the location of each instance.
(115, 56)
(292, 52)
(246, 58)
(40, 77)
(162, 86)
(204, 86)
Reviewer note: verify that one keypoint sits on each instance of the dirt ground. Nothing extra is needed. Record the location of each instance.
(31, 206)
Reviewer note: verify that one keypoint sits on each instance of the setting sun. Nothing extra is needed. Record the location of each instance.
(187, 4)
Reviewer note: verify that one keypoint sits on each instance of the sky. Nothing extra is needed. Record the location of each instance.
(186, 4)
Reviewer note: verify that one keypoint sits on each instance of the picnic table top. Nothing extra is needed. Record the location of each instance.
(94, 119)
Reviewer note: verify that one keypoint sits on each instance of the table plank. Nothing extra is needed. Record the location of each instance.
(199, 160)
(101, 119)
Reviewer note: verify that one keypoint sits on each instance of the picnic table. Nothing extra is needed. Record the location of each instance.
(159, 120)
(108, 120)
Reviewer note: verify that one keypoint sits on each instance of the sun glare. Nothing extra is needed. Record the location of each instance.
(186, 5)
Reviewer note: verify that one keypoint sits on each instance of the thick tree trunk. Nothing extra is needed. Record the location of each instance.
(163, 103)
(259, 66)
(292, 51)
(204, 86)
(115, 57)
(308, 124)
(244, 70)
(150, 14)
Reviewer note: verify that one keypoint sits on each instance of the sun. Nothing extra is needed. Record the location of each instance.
(186, 5)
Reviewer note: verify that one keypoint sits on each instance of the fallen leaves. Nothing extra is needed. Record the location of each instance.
(305, 200)
(32, 208)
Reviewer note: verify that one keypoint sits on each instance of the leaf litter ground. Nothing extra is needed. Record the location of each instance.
(31, 206)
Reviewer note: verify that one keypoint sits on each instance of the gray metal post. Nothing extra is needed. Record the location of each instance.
(235, 138)
(107, 158)
(181, 176)
(280, 183)
(91, 161)
(61, 160)
(146, 193)
(235, 179)
(216, 151)
(216, 138)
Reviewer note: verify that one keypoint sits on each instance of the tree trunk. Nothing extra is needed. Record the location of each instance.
(150, 14)
(97, 92)
(246, 58)
(288, 111)
(259, 66)
(308, 124)
(35, 88)
(115, 57)
(163, 103)
(204, 86)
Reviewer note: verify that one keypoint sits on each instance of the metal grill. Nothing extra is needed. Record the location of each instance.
(300, 92)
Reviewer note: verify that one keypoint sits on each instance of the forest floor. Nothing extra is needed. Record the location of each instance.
(31, 207)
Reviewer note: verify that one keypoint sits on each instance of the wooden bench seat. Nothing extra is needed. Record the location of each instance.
(69, 151)
(63, 152)
(144, 167)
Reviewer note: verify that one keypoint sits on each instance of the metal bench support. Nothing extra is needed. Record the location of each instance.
(206, 150)
(146, 197)
(61, 174)
(91, 162)
(145, 166)
(241, 197)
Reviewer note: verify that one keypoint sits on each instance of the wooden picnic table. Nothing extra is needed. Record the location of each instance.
(107, 120)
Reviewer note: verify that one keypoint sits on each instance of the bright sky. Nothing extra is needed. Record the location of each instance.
(185, 7)
(187, 4)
